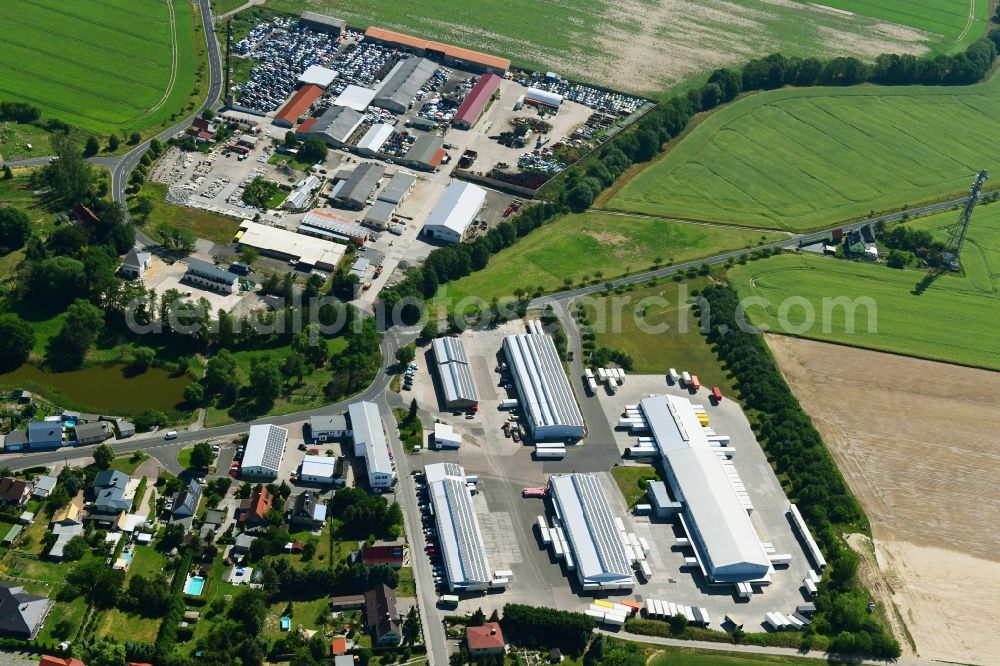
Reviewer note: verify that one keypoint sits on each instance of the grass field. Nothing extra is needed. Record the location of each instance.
(628, 478)
(665, 335)
(679, 656)
(957, 21)
(108, 66)
(16, 137)
(808, 158)
(635, 44)
(204, 224)
(952, 320)
(578, 247)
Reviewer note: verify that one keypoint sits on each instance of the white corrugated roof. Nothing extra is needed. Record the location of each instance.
(590, 529)
(265, 447)
(728, 544)
(366, 424)
(453, 370)
(458, 528)
(319, 466)
(318, 75)
(375, 136)
(309, 250)
(457, 207)
(355, 97)
(546, 394)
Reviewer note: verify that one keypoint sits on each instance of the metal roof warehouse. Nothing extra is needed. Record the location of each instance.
(725, 542)
(370, 442)
(470, 110)
(465, 560)
(399, 186)
(590, 529)
(403, 83)
(322, 223)
(455, 211)
(426, 152)
(542, 388)
(455, 373)
(321, 254)
(360, 185)
(335, 126)
(264, 451)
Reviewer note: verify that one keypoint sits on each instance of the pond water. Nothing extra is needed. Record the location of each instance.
(108, 387)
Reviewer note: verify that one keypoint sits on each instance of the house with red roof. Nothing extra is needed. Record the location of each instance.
(46, 660)
(485, 640)
(253, 511)
(383, 552)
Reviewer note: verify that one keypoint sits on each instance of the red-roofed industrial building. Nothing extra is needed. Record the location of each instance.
(484, 640)
(470, 110)
(298, 105)
(451, 55)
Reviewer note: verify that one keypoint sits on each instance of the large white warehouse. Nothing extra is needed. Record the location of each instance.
(725, 543)
(586, 519)
(455, 211)
(455, 373)
(370, 442)
(543, 391)
(458, 528)
(264, 451)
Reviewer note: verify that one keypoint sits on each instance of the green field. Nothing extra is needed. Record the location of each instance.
(108, 66)
(202, 223)
(808, 158)
(627, 478)
(16, 137)
(578, 247)
(958, 21)
(671, 656)
(659, 330)
(640, 45)
(952, 320)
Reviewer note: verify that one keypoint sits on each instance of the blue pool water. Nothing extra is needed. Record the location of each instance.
(286, 623)
(194, 586)
(127, 556)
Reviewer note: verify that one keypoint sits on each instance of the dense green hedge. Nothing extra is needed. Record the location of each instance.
(808, 473)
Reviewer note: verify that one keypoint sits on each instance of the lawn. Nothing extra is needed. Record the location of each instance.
(809, 158)
(305, 613)
(407, 586)
(593, 246)
(117, 624)
(658, 329)
(949, 18)
(291, 161)
(110, 66)
(681, 656)
(628, 478)
(15, 138)
(217, 228)
(952, 320)
(64, 611)
(184, 457)
(129, 462)
(637, 45)
(147, 562)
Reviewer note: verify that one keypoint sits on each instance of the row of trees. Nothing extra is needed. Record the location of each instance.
(810, 477)
(364, 514)
(546, 627)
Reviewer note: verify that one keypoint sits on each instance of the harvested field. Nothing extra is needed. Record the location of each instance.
(640, 46)
(913, 439)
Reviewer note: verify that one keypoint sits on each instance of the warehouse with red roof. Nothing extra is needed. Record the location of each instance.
(474, 105)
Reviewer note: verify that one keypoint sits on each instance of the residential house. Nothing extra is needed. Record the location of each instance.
(382, 616)
(242, 546)
(44, 486)
(44, 435)
(338, 645)
(306, 511)
(46, 660)
(125, 429)
(92, 433)
(135, 265)
(111, 491)
(14, 492)
(66, 523)
(24, 398)
(186, 502)
(21, 614)
(253, 511)
(383, 552)
(325, 428)
(485, 640)
(15, 440)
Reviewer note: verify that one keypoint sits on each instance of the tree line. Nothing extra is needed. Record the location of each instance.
(546, 628)
(809, 475)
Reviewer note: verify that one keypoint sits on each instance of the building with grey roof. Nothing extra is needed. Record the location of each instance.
(44, 486)
(186, 502)
(714, 517)
(380, 214)
(323, 23)
(360, 186)
(426, 152)
(585, 517)
(370, 442)
(44, 435)
(465, 560)
(335, 126)
(402, 84)
(543, 391)
(325, 428)
(21, 615)
(210, 276)
(15, 440)
(92, 433)
(111, 492)
(455, 373)
(374, 138)
(398, 188)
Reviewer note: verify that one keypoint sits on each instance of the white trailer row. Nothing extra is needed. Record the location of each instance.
(612, 614)
(737, 483)
(553, 450)
(806, 535)
(780, 621)
(611, 376)
(744, 590)
(664, 610)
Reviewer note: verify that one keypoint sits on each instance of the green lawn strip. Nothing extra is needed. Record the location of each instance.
(407, 585)
(628, 479)
(204, 224)
(944, 17)
(579, 247)
(411, 433)
(184, 457)
(71, 612)
(812, 157)
(681, 656)
(291, 161)
(118, 624)
(656, 326)
(952, 320)
(147, 562)
(129, 462)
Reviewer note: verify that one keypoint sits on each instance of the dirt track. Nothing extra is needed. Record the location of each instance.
(917, 442)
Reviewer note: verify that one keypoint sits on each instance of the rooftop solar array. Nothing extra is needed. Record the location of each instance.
(458, 528)
(590, 529)
(265, 447)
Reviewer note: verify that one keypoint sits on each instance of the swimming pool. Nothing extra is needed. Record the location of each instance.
(127, 556)
(194, 586)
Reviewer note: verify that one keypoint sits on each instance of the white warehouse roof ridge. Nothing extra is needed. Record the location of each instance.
(457, 208)
(461, 541)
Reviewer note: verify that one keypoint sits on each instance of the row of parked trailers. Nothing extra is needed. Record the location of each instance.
(794, 621)
(659, 609)
(555, 538)
(612, 377)
(553, 450)
(613, 613)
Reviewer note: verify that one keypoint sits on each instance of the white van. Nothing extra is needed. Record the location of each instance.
(172, 434)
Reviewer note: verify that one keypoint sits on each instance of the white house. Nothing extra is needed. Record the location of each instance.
(135, 265)
(445, 436)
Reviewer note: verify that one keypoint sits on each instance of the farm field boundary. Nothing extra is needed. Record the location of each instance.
(806, 158)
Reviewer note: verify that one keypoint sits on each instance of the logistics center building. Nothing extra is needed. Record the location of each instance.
(583, 513)
(370, 442)
(543, 390)
(725, 543)
(458, 528)
(455, 373)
